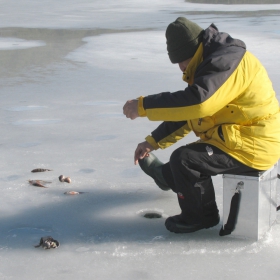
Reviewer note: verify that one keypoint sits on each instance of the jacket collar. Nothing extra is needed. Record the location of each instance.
(188, 75)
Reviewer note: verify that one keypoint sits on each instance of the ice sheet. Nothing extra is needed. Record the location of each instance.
(61, 109)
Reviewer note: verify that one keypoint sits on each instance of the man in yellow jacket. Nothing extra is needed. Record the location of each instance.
(229, 104)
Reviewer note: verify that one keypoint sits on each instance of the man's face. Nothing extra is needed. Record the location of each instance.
(184, 64)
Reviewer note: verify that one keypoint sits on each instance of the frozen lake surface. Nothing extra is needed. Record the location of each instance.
(67, 68)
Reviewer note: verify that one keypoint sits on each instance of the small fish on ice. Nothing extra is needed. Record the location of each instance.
(38, 183)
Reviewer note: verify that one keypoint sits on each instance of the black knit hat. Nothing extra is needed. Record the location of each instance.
(182, 38)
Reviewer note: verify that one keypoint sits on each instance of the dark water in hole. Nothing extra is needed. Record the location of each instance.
(152, 215)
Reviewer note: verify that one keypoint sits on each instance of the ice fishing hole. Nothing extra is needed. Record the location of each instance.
(152, 215)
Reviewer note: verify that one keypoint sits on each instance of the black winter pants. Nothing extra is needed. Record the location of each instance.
(188, 173)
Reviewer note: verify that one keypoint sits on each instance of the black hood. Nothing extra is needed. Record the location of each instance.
(213, 40)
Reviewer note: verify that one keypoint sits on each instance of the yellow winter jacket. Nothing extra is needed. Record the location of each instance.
(229, 103)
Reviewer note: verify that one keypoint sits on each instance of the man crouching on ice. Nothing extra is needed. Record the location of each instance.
(229, 104)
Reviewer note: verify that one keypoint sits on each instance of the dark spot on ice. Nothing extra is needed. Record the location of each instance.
(29, 144)
(152, 215)
(10, 178)
(87, 170)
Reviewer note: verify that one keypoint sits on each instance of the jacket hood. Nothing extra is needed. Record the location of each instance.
(213, 40)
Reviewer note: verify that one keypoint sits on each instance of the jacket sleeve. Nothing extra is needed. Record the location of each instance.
(217, 82)
(168, 133)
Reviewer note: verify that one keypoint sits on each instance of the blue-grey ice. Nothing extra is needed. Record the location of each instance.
(67, 67)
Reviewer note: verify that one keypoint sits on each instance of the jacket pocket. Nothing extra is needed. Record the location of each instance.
(232, 136)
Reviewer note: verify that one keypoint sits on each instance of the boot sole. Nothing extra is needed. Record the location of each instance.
(177, 228)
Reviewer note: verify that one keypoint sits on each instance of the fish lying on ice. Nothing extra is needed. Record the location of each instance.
(38, 183)
(40, 170)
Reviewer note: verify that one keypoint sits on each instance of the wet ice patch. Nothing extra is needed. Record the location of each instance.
(10, 178)
(131, 172)
(16, 43)
(105, 137)
(27, 231)
(141, 51)
(110, 115)
(29, 144)
(158, 238)
(101, 103)
(25, 108)
(82, 249)
(37, 122)
(87, 170)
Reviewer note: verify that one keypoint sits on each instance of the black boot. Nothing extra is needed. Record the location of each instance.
(177, 225)
(152, 166)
